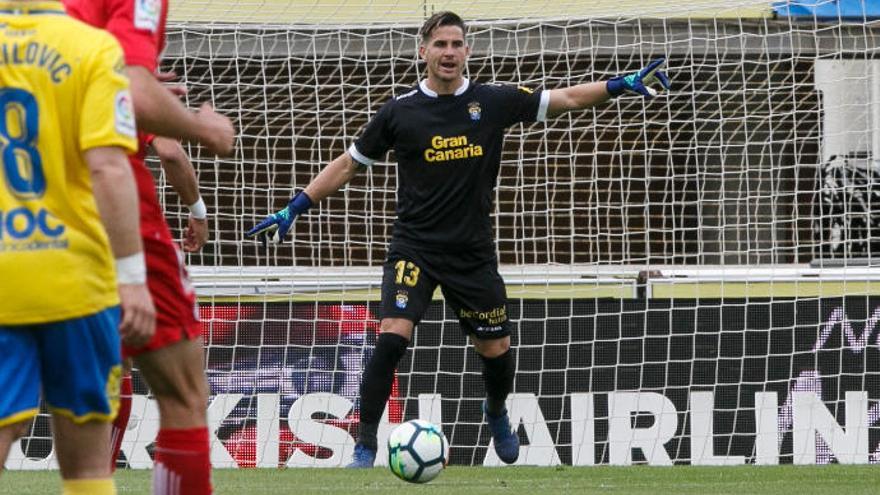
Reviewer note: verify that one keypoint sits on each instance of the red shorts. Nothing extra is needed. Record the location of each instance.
(173, 294)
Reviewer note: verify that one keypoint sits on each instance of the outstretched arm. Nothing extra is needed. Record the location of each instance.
(577, 97)
(588, 95)
(335, 175)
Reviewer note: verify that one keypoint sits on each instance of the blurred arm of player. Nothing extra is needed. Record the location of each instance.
(182, 176)
(335, 175)
(116, 195)
(588, 95)
(159, 111)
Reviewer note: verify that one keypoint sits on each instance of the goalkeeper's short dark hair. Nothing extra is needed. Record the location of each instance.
(444, 18)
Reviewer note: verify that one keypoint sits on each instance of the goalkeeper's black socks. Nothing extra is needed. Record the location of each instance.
(498, 376)
(376, 385)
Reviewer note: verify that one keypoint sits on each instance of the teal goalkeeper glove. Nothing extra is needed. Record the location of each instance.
(275, 226)
(640, 82)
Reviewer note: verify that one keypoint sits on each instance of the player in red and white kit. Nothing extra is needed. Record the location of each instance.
(172, 362)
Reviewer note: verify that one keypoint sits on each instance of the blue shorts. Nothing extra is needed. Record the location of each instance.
(76, 363)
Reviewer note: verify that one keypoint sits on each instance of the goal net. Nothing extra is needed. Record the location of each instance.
(689, 276)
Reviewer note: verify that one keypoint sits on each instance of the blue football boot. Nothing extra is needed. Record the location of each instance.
(364, 457)
(505, 439)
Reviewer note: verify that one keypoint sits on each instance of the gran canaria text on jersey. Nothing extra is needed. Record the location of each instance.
(453, 148)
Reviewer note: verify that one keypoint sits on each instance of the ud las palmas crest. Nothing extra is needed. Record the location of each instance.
(474, 110)
(402, 299)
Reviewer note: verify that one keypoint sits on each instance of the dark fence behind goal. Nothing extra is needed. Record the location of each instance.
(723, 170)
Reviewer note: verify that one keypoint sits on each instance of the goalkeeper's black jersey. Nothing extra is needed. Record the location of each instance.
(448, 151)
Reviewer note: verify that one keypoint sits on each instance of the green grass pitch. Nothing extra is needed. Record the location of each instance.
(741, 480)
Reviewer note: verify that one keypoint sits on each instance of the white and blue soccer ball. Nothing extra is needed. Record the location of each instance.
(417, 451)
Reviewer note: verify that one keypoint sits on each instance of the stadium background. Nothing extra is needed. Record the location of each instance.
(688, 179)
(692, 179)
(726, 170)
(733, 348)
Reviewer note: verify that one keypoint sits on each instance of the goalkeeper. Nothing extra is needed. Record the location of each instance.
(447, 133)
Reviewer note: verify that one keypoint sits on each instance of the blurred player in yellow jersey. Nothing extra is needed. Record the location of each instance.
(68, 207)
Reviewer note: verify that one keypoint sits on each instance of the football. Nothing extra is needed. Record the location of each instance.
(417, 451)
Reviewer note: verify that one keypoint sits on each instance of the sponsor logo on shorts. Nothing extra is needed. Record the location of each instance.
(147, 14)
(114, 377)
(494, 316)
(124, 114)
(489, 329)
(401, 300)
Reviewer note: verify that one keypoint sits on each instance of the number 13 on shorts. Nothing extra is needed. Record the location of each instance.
(407, 273)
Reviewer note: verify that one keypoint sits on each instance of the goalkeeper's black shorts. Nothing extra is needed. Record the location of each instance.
(470, 283)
